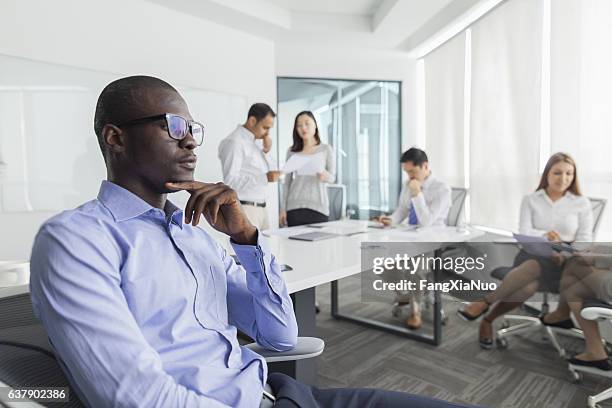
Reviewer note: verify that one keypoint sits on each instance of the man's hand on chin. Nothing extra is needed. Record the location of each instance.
(219, 204)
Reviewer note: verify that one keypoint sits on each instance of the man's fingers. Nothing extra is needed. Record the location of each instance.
(205, 187)
(186, 185)
(191, 204)
(198, 210)
(204, 199)
(213, 208)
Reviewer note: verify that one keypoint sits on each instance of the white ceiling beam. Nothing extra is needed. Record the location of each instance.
(325, 22)
(260, 9)
(395, 21)
(383, 12)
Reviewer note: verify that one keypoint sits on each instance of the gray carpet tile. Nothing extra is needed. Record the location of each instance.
(529, 374)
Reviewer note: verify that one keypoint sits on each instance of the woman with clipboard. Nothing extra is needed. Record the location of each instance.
(556, 211)
(309, 167)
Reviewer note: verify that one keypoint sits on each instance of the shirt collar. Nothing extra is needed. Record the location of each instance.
(125, 205)
(246, 133)
(567, 196)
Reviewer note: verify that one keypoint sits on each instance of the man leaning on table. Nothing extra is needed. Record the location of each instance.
(424, 201)
(140, 305)
(246, 166)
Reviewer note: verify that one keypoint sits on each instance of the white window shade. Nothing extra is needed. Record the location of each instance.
(581, 95)
(505, 111)
(444, 110)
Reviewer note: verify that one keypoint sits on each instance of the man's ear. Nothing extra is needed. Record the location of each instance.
(113, 138)
(251, 121)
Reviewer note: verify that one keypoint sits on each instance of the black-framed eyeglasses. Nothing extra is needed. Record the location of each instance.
(177, 126)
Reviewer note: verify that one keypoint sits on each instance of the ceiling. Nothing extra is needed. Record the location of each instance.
(351, 7)
(390, 25)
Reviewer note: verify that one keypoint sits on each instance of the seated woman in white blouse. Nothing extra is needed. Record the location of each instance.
(557, 211)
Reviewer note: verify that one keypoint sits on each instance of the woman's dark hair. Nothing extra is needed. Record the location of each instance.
(574, 188)
(298, 143)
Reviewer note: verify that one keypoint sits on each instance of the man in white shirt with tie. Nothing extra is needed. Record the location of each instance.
(424, 201)
(246, 167)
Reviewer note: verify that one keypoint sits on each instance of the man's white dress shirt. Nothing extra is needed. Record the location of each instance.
(244, 165)
(432, 204)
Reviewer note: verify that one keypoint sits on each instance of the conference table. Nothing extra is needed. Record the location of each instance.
(315, 263)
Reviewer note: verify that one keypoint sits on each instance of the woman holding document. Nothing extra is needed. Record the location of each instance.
(310, 165)
(556, 211)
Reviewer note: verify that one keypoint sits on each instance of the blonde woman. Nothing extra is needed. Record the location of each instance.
(557, 211)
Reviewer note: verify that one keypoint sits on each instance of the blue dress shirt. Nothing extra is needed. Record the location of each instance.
(142, 309)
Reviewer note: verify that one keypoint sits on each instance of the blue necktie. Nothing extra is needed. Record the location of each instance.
(412, 217)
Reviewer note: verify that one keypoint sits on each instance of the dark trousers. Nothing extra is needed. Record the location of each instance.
(303, 216)
(292, 394)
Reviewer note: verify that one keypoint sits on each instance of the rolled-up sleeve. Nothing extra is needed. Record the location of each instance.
(258, 300)
(76, 292)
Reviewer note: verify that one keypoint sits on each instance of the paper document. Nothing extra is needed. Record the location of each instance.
(305, 164)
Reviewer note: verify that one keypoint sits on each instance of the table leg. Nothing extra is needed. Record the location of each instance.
(435, 340)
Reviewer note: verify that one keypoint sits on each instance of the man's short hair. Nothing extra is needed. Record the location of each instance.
(119, 97)
(414, 155)
(260, 110)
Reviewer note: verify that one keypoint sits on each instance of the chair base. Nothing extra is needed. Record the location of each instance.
(529, 323)
(593, 400)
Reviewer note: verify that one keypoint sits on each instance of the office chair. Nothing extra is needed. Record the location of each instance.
(528, 323)
(28, 360)
(455, 214)
(594, 310)
(337, 200)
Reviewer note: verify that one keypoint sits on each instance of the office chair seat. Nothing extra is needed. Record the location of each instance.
(594, 310)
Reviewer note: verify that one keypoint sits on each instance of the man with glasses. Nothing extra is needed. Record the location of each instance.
(245, 165)
(142, 307)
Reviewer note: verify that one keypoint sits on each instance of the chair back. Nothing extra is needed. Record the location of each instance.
(337, 200)
(26, 357)
(598, 205)
(458, 195)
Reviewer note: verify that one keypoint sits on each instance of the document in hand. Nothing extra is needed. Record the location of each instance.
(305, 164)
(540, 246)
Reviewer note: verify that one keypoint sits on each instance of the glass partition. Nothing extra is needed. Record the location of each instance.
(361, 120)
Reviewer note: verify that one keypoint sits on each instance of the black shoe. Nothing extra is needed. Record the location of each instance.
(486, 342)
(470, 318)
(563, 324)
(599, 364)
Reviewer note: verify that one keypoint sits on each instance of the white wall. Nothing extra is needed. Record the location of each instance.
(127, 38)
(334, 63)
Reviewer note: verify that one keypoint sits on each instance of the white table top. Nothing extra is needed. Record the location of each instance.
(319, 262)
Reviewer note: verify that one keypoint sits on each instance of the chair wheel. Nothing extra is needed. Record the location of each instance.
(502, 343)
(576, 376)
